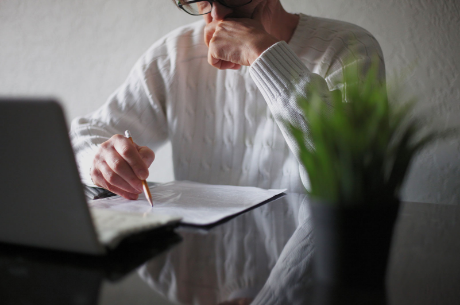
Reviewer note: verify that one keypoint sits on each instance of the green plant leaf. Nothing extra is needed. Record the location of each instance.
(358, 146)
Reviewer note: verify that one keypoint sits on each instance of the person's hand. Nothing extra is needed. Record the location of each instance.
(119, 166)
(234, 42)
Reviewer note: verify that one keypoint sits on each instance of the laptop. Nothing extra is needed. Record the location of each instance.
(42, 201)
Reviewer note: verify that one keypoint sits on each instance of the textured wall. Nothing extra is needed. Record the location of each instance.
(80, 51)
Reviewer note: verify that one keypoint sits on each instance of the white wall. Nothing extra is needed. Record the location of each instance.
(81, 51)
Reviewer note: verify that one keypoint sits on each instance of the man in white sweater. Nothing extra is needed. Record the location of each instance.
(220, 90)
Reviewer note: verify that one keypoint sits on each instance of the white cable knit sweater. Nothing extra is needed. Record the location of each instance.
(225, 125)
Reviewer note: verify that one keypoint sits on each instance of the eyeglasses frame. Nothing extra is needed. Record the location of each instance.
(210, 2)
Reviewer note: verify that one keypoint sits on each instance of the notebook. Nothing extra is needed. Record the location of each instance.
(198, 204)
(42, 199)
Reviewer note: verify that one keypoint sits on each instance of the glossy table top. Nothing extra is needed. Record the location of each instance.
(263, 256)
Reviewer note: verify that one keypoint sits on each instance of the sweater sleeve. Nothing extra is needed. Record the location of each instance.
(282, 77)
(138, 105)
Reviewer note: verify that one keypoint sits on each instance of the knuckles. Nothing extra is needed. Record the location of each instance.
(106, 145)
(118, 137)
(97, 178)
(110, 162)
(125, 151)
(133, 181)
(117, 164)
(147, 155)
(111, 178)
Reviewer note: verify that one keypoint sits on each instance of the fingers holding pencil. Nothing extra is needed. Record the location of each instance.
(145, 186)
(120, 166)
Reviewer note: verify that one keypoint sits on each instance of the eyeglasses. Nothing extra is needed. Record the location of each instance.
(203, 7)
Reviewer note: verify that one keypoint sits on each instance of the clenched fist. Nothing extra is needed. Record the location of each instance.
(236, 42)
(236, 38)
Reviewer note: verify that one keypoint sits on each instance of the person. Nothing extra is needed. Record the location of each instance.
(221, 90)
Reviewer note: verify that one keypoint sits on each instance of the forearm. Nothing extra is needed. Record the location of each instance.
(131, 107)
(282, 78)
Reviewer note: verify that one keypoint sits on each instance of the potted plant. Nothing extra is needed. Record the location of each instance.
(357, 153)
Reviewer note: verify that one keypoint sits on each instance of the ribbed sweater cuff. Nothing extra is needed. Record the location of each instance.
(277, 69)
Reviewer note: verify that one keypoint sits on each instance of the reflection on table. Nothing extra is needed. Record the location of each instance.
(232, 261)
(263, 256)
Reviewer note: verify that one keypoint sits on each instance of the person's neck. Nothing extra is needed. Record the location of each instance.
(285, 24)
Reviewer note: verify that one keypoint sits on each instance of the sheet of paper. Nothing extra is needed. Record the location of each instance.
(196, 203)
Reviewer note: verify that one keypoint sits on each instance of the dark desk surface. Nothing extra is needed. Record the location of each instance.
(263, 255)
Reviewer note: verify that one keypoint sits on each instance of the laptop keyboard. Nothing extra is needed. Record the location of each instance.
(112, 226)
